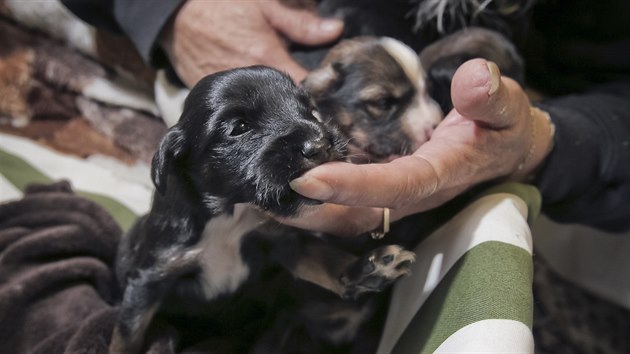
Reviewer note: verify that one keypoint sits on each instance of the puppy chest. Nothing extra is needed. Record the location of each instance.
(223, 269)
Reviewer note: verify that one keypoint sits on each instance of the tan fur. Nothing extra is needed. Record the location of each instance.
(320, 79)
(15, 73)
(378, 57)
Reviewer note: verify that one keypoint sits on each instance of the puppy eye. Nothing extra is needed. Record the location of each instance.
(239, 128)
(382, 104)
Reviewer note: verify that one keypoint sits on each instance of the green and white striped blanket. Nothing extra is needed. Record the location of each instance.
(471, 288)
(124, 191)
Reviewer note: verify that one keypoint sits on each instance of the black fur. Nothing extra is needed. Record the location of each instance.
(258, 128)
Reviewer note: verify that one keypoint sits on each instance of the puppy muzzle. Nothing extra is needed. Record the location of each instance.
(317, 150)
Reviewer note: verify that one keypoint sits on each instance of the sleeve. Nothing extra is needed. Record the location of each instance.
(140, 20)
(586, 177)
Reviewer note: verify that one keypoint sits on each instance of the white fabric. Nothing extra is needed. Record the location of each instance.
(52, 17)
(118, 92)
(497, 217)
(8, 191)
(595, 260)
(490, 336)
(169, 98)
(130, 186)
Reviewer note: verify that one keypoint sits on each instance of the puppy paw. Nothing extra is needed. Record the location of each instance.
(376, 270)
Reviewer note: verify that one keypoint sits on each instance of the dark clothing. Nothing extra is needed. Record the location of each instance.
(140, 20)
(574, 51)
(586, 178)
(570, 46)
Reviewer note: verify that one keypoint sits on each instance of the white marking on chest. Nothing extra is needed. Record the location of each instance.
(223, 269)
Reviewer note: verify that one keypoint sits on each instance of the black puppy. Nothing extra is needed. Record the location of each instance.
(243, 135)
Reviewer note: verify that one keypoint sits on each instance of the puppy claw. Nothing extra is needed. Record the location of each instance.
(406, 256)
(376, 271)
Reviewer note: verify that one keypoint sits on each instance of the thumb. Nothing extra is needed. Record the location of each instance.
(302, 26)
(479, 93)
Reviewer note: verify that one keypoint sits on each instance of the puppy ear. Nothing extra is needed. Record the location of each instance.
(323, 79)
(170, 150)
(439, 77)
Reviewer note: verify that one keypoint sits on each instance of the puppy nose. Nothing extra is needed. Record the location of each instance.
(317, 148)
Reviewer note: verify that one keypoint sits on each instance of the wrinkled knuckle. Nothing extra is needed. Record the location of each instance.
(404, 192)
(420, 187)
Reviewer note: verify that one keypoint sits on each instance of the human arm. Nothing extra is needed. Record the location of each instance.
(586, 178)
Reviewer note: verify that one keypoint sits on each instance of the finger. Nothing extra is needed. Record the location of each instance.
(372, 185)
(480, 93)
(340, 220)
(302, 26)
(275, 54)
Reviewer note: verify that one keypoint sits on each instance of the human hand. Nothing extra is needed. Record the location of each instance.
(209, 36)
(493, 132)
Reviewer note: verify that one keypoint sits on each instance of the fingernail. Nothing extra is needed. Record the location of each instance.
(495, 77)
(312, 188)
(330, 25)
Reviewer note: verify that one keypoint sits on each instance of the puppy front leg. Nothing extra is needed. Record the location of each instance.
(343, 273)
(314, 260)
(142, 299)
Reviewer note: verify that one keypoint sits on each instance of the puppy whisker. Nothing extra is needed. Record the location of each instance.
(347, 141)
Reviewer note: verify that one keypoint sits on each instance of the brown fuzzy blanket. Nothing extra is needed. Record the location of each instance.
(57, 290)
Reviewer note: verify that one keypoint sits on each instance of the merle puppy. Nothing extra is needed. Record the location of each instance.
(375, 89)
(243, 135)
(387, 99)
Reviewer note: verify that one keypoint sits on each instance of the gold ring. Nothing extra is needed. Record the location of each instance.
(377, 235)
